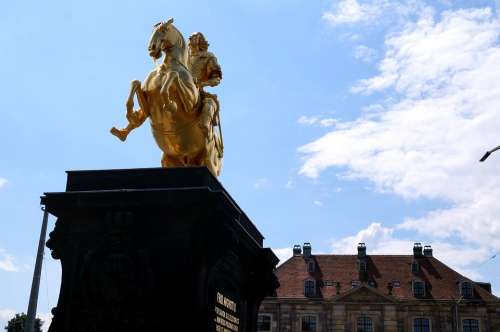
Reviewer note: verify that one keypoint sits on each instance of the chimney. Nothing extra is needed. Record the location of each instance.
(307, 250)
(427, 251)
(361, 250)
(417, 249)
(297, 250)
(361, 261)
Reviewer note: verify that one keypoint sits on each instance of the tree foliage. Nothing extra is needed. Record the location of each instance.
(17, 323)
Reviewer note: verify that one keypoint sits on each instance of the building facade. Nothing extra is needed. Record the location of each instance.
(372, 293)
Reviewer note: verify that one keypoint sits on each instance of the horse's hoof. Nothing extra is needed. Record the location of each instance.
(121, 134)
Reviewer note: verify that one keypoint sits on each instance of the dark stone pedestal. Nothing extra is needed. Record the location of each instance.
(155, 250)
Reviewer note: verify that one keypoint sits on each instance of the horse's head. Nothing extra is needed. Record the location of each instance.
(163, 38)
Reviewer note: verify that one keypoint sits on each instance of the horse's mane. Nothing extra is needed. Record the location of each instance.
(181, 44)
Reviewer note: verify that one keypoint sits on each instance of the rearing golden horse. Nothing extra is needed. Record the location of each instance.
(170, 98)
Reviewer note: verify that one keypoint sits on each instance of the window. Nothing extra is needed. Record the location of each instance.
(309, 288)
(309, 323)
(264, 323)
(365, 324)
(310, 266)
(362, 266)
(470, 325)
(414, 267)
(372, 283)
(421, 325)
(418, 288)
(396, 283)
(466, 289)
(355, 283)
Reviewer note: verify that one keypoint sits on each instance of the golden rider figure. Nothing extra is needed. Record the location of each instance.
(206, 72)
(184, 133)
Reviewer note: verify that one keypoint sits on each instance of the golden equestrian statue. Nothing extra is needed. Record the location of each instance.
(184, 118)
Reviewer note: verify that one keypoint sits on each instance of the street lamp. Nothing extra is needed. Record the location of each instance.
(487, 154)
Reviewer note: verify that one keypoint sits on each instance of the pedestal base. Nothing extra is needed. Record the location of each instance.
(155, 250)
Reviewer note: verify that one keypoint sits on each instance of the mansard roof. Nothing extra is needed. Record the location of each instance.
(441, 282)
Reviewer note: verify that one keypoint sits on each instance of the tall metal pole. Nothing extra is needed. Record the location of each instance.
(35, 285)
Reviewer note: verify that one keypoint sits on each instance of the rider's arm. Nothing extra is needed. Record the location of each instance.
(214, 72)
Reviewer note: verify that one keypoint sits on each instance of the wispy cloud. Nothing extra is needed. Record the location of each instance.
(384, 240)
(46, 319)
(7, 262)
(283, 254)
(351, 11)
(426, 143)
(3, 182)
(370, 11)
(365, 53)
(6, 314)
(316, 120)
(318, 203)
(261, 183)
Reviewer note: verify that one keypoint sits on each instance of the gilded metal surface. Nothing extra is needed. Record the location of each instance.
(184, 118)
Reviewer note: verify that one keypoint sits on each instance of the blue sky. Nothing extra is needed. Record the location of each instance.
(344, 121)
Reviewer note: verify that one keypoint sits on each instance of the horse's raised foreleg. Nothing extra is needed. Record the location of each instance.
(135, 118)
(186, 91)
(168, 103)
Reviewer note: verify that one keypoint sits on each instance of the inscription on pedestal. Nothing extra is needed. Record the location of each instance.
(226, 316)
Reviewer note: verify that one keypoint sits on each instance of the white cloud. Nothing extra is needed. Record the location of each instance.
(369, 11)
(351, 11)
(307, 120)
(427, 56)
(373, 109)
(328, 122)
(426, 143)
(6, 314)
(3, 182)
(46, 319)
(283, 254)
(7, 262)
(261, 183)
(316, 120)
(381, 240)
(365, 53)
(318, 203)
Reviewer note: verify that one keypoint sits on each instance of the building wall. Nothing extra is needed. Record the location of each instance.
(388, 317)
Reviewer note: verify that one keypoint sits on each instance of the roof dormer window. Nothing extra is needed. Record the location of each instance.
(311, 266)
(310, 288)
(415, 268)
(361, 266)
(466, 289)
(418, 289)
